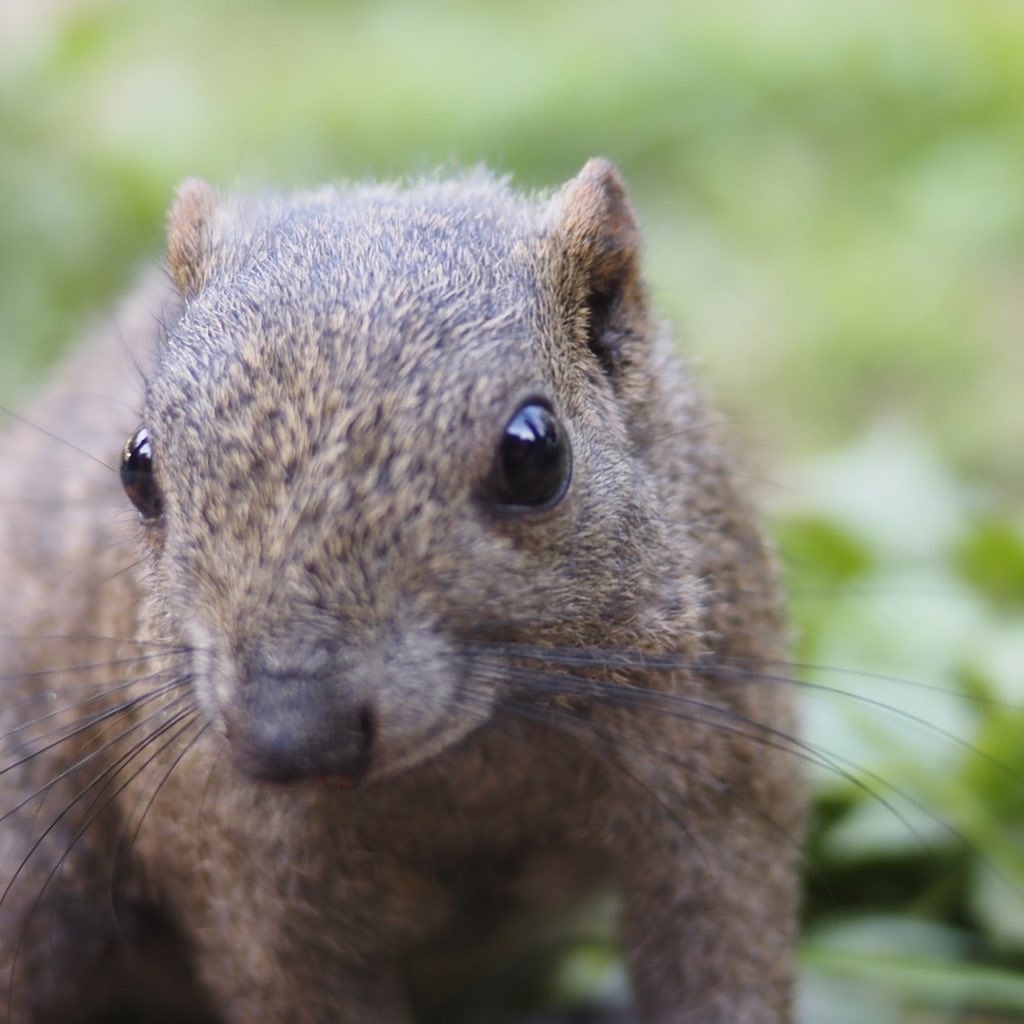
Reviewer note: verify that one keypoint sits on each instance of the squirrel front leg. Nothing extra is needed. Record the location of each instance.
(709, 921)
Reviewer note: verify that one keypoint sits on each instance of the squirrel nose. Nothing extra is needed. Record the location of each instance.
(288, 728)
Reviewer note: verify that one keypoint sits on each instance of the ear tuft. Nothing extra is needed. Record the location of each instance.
(188, 234)
(597, 234)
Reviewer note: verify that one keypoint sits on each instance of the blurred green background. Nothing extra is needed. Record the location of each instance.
(834, 201)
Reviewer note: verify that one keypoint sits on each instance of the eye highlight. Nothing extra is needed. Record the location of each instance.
(534, 458)
(137, 475)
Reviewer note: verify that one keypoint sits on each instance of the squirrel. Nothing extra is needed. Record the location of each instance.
(420, 608)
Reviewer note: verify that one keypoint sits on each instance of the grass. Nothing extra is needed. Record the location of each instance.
(834, 202)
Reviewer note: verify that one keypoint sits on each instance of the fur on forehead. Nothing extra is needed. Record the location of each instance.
(423, 222)
(590, 220)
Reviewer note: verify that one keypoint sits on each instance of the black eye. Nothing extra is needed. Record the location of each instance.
(534, 458)
(137, 474)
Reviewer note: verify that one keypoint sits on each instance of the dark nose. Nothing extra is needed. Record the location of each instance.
(286, 728)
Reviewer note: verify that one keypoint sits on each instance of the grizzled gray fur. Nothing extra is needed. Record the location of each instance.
(360, 709)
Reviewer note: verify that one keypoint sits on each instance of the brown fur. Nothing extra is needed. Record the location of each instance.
(490, 715)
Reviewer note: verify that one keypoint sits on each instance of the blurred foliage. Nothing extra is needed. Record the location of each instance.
(834, 201)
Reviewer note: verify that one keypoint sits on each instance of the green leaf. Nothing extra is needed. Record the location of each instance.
(991, 559)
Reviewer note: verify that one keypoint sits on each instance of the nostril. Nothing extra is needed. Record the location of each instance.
(366, 722)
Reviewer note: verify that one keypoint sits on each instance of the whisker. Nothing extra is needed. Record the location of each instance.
(163, 781)
(686, 709)
(89, 692)
(79, 638)
(722, 667)
(881, 677)
(51, 696)
(587, 730)
(80, 725)
(185, 719)
(18, 418)
(67, 772)
(83, 668)
(907, 716)
(114, 767)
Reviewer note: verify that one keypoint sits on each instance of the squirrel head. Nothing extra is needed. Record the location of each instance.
(392, 430)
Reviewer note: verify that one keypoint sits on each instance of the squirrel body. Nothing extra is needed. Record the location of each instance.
(441, 612)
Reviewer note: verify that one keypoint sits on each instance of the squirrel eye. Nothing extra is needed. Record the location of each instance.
(534, 458)
(137, 475)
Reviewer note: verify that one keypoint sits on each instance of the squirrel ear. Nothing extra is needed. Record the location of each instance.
(188, 234)
(598, 239)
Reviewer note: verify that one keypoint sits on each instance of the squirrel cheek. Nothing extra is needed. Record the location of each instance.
(425, 700)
